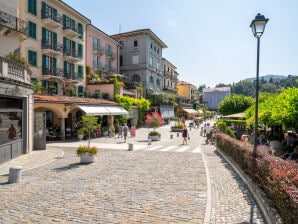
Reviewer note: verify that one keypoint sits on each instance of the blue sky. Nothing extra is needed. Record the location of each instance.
(209, 41)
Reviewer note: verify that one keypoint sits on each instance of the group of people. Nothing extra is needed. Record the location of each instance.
(124, 129)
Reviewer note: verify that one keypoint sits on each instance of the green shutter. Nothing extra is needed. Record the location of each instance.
(55, 41)
(44, 58)
(32, 7)
(64, 22)
(80, 89)
(65, 69)
(55, 65)
(55, 14)
(44, 41)
(80, 71)
(32, 30)
(64, 45)
(73, 48)
(32, 60)
(44, 83)
(80, 30)
(73, 24)
(43, 10)
(73, 75)
(80, 50)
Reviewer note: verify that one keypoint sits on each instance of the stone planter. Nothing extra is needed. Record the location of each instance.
(87, 157)
(154, 137)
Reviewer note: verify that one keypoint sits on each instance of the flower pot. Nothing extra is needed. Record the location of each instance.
(87, 157)
(154, 137)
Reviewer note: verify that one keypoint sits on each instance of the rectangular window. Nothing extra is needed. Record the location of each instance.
(135, 59)
(80, 30)
(32, 58)
(32, 7)
(135, 43)
(80, 71)
(32, 30)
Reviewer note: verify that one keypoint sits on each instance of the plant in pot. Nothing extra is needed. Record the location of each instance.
(105, 131)
(154, 121)
(87, 152)
(80, 134)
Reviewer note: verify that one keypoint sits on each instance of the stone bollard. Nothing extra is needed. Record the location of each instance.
(130, 146)
(177, 134)
(15, 174)
(171, 136)
(149, 141)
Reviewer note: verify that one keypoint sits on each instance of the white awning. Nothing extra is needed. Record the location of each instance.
(103, 110)
(166, 112)
(190, 111)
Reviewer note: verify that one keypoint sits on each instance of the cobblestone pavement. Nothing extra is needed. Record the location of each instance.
(165, 182)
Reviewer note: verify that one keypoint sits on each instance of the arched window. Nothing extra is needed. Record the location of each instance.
(157, 82)
(151, 79)
(136, 78)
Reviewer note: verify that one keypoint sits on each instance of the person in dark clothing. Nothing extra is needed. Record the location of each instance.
(185, 135)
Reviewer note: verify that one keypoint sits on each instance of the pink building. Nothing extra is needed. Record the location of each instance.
(102, 55)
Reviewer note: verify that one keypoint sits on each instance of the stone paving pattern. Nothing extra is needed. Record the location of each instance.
(140, 186)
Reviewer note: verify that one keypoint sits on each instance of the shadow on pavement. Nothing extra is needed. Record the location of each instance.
(70, 166)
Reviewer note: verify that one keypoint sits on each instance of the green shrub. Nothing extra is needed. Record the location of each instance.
(154, 133)
(85, 148)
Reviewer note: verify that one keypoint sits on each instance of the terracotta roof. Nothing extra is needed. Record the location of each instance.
(73, 100)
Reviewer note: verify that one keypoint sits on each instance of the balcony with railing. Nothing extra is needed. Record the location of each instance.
(98, 49)
(13, 26)
(50, 73)
(110, 55)
(14, 72)
(51, 49)
(168, 88)
(98, 67)
(73, 76)
(50, 19)
(70, 30)
(71, 56)
(110, 69)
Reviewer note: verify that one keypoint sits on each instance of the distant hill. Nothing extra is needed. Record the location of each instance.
(268, 77)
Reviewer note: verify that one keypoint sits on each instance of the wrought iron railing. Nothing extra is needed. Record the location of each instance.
(13, 22)
(48, 45)
(72, 53)
(69, 26)
(48, 14)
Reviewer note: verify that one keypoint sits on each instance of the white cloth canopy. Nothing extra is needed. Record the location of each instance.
(103, 110)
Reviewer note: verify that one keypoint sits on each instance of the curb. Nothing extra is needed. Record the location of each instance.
(270, 214)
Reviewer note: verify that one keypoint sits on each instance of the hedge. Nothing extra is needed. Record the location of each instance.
(276, 177)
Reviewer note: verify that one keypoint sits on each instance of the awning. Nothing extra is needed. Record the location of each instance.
(190, 111)
(166, 112)
(103, 110)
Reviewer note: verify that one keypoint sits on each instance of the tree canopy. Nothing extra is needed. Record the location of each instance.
(277, 109)
(235, 103)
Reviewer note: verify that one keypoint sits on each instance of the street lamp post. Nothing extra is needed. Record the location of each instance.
(258, 27)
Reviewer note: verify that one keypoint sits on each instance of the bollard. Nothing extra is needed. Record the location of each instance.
(177, 134)
(171, 136)
(149, 141)
(15, 174)
(130, 146)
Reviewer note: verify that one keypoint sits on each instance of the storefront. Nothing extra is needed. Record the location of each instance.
(16, 126)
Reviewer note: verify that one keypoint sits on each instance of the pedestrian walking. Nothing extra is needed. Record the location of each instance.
(133, 131)
(185, 135)
(125, 131)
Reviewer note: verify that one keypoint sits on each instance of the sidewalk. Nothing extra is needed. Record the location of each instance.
(32, 160)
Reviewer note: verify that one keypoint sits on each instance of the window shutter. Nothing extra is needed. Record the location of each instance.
(73, 48)
(80, 71)
(43, 10)
(55, 65)
(44, 59)
(64, 22)
(55, 14)
(80, 50)
(55, 41)
(65, 69)
(73, 75)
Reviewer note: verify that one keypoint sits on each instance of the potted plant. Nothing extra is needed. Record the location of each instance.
(87, 152)
(154, 120)
(80, 134)
(177, 128)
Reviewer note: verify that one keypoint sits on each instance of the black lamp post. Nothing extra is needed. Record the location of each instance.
(258, 27)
